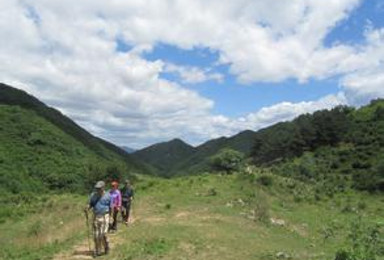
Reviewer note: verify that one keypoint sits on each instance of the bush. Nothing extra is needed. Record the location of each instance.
(261, 208)
(227, 160)
(36, 229)
(265, 180)
(212, 192)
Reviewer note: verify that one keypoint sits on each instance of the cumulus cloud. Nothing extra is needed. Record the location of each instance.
(280, 112)
(190, 74)
(65, 53)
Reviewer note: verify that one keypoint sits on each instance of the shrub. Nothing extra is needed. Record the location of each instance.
(261, 208)
(227, 160)
(265, 180)
(36, 229)
(212, 192)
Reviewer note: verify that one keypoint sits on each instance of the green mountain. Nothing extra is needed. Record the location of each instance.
(338, 148)
(163, 156)
(43, 149)
(343, 146)
(178, 158)
(200, 160)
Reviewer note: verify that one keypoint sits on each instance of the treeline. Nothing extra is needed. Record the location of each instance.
(343, 142)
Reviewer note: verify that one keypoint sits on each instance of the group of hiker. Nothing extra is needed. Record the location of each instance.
(106, 206)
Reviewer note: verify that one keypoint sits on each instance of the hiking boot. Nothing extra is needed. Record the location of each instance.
(107, 250)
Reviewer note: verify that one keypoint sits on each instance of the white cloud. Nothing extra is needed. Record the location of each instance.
(190, 74)
(65, 53)
(365, 86)
(280, 112)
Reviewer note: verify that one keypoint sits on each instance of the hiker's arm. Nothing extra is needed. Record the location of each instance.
(89, 206)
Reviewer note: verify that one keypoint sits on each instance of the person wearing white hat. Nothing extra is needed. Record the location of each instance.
(99, 202)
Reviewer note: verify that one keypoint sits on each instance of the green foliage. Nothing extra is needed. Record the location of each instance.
(36, 229)
(364, 242)
(35, 156)
(307, 132)
(343, 149)
(265, 180)
(227, 160)
(43, 149)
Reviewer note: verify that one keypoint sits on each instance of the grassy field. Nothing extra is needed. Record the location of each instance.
(207, 217)
(230, 217)
(38, 227)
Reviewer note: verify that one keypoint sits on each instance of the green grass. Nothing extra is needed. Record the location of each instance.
(204, 217)
(41, 228)
(182, 219)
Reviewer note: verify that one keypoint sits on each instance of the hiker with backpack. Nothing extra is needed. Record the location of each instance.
(115, 195)
(127, 197)
(100, 202)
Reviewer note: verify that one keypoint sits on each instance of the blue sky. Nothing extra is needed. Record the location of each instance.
(351, 30)
(141, 72)
(234, 99)
(231, 97)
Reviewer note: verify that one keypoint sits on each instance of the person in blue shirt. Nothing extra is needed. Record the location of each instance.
(99, 202)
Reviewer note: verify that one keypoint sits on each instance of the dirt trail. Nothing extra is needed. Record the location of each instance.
(81, 250)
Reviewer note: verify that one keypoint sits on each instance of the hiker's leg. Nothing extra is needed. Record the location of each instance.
(110, 219)
(114, 225)
(128, 211)
(124, 212)
(97, 234)
(94, 232)
(104, 233)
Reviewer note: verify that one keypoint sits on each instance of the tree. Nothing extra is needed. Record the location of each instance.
(227, 160)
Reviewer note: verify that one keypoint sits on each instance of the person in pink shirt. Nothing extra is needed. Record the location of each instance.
(115, 207)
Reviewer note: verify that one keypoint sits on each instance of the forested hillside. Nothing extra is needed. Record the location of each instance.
(43, 149)
(200, 161)
(164, 156)
(177, 158)
(341, 147)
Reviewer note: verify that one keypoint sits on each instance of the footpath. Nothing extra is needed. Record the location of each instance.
(81, 250)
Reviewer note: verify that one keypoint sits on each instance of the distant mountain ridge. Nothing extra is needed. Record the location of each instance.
(163, 156)
(128, 149)
(178, 158)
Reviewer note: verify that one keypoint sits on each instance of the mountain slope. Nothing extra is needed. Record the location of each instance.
(178, 158)
(339, 148)
(164, 155)
(199, 161)
(16, 97)
(128, 149)
(43, 149)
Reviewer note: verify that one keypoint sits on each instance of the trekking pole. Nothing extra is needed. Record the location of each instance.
(87, 223)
